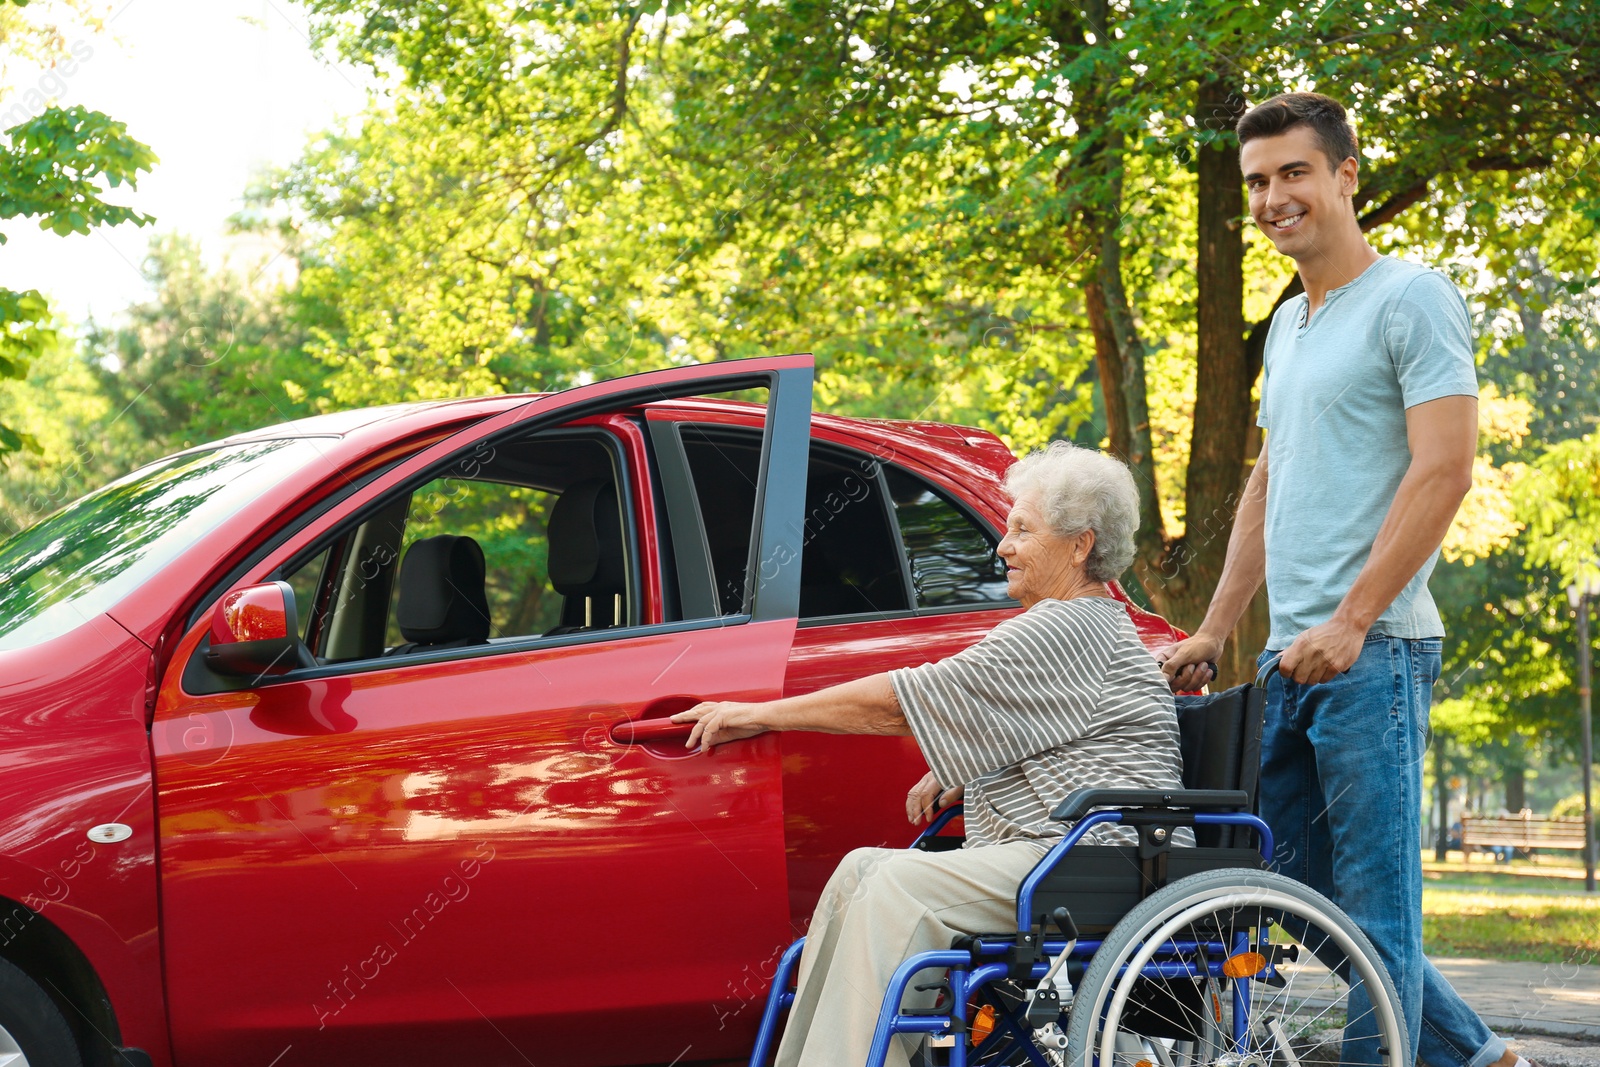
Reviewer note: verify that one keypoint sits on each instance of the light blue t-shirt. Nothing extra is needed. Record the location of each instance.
(1334, 394)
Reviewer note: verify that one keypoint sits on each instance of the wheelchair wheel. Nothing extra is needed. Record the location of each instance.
(1236, 968)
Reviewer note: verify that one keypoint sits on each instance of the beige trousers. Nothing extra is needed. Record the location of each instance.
(881, 907)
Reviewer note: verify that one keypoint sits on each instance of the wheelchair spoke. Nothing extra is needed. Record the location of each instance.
(1232, 969)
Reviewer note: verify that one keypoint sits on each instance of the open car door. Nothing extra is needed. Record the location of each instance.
(419, 827)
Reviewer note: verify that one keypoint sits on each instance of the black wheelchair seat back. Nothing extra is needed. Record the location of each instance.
(1219, 735)
(1220, 739)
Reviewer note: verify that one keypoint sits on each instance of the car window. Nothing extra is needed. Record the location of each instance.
(850, 563)
(306, 580)
(724, 464)
(510, 525)
(525, 540)
(952, 557)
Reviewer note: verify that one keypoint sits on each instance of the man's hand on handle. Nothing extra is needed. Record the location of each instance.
(1191, 664)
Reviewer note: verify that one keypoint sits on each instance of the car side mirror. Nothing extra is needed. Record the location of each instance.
(255, 631)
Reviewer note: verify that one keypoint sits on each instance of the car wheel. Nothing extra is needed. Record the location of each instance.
(33, 1032)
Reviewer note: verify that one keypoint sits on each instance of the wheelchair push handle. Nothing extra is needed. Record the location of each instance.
(1264, 675)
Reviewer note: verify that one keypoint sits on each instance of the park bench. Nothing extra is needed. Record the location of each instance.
(1523, 831)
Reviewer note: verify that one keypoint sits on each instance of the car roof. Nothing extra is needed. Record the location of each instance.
(414, 416)
(916, 438)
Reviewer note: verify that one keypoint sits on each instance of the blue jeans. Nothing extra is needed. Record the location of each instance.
(1341, 787)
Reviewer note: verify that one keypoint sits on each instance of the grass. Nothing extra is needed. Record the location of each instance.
(1542, 927)
(1543, 873)
(1531, 885)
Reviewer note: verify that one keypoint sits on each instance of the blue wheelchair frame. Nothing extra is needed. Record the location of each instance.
(967, 974)
(1024, 954)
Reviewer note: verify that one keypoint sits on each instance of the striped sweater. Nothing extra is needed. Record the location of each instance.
(1058, 698)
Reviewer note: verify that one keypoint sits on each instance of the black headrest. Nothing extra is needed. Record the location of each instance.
(586, 556)
(441, 592)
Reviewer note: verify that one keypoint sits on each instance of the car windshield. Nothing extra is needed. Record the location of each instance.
(92, 553)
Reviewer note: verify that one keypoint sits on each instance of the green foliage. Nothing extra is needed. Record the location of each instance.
(1570, 805)
(76, 446)
(24, 330)
(546, 193)
(54, 167)
(564, 189)
(1509, 661)
(556, 194)
(1561, 506)
(214, 353)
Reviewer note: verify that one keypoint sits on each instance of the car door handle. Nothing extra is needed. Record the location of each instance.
(647, 731)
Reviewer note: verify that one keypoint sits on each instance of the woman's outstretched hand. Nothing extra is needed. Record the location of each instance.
(927, 798)
(718, 721)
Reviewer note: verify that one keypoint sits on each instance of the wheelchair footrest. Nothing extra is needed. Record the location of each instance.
(1044, 1006)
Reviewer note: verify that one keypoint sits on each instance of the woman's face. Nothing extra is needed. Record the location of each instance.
(1040, 563)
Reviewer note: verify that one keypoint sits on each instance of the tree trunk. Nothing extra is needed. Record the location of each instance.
(1222, 416)
(1119, 350)
(1238, 663)
(1441, 792)
(1108, 365)
(1129, 355)
(1516, 789)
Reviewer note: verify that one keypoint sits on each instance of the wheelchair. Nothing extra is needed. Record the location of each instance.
(1157, 954)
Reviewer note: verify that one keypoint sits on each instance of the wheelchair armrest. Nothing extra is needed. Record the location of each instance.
(1079, 801)
(925, 841)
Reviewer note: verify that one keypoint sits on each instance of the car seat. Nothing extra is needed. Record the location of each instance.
(442, 602)
(588, 566)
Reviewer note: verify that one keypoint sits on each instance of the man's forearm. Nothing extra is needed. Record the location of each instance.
(1245, 567)
(1420, 516)
(864, 706)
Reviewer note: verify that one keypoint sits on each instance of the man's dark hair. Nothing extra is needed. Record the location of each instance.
(1287, 111)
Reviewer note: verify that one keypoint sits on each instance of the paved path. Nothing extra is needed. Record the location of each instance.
(1549, 1011)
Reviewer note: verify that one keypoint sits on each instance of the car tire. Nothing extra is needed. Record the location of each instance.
(33, 1032)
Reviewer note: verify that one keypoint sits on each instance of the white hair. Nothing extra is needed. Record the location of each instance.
(1083, 489)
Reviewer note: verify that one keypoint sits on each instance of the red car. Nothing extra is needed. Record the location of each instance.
(344, 741)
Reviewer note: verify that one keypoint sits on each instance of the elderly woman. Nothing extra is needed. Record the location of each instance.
(1059, 697)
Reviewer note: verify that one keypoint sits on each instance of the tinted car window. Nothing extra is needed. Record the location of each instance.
(87, 556)
(851, 565)
(849, 562)
(952, 558)
(725, 466)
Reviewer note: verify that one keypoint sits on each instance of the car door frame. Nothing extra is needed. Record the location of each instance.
(772, 584)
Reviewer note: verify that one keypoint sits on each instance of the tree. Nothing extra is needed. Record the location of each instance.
(1509, 664)
(216, 352)
(78, 445)
(1561, 505)
(988, 199)
(54, 166)
(213, 353)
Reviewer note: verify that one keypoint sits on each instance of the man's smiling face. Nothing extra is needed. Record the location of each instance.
(1294, 193)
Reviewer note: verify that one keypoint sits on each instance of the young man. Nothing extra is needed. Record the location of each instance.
(1369, 397)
